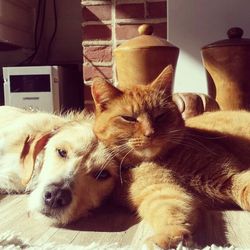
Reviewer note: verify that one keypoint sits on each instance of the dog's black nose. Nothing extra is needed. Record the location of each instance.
(57, 197)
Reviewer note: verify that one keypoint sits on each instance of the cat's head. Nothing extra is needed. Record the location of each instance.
(142, 120)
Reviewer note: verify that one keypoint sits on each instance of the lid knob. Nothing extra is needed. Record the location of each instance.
(235, 32)
(145, 29)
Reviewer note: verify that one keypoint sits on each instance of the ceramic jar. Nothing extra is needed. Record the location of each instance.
(141, 59)
(227, 64)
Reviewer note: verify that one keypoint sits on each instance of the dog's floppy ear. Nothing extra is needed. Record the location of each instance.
(32, 147)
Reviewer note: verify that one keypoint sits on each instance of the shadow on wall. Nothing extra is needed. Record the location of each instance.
(193, 24)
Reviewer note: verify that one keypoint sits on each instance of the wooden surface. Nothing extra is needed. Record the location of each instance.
(113, 224)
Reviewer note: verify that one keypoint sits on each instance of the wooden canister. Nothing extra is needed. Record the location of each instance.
(141, 59)
(227, 65)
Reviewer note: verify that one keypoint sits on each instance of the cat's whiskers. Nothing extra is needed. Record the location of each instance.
(176, 131)
(176, 136)
(197, 145)
(209, 137)
(119, 150)
(116, 149)
(191, 146)
(112, 154)
(103, 166)
(121, 162)
(169, 136)
(165, 101)
(109, 159)
(196, 140)
(161, 95)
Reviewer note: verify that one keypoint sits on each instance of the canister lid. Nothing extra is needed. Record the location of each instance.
(234, 39)
(145, 40)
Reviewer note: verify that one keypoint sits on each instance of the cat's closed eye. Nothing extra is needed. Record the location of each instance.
(128, 118)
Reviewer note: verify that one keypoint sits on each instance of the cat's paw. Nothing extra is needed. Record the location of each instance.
(170, 239)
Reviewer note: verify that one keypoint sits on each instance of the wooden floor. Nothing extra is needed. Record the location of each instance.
(112, 224)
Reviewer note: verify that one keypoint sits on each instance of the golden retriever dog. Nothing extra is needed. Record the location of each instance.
(57, 159)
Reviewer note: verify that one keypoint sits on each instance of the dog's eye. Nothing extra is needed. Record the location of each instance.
(61, 152)
(102, 175)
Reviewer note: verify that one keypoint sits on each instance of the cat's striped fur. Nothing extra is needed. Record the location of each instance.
(193, 164)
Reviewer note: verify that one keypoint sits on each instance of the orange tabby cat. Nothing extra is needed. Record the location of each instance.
(192, 163)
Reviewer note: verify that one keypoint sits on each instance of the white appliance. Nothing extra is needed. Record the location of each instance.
(34, 88)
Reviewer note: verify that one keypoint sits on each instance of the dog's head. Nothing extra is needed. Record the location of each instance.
(77, 174)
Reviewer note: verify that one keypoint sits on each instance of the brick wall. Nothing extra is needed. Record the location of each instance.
(108, 23)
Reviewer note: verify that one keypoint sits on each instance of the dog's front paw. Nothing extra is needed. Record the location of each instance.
(170, 239)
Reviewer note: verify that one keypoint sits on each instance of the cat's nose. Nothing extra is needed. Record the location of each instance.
(149, 132)
(147, 127)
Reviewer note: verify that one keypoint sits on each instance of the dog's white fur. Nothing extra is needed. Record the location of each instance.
(30, 162)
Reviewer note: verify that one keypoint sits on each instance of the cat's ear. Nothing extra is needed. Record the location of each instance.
(165, 79)
(103, 92)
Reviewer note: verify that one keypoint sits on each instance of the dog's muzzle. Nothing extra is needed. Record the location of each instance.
(57, 197)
